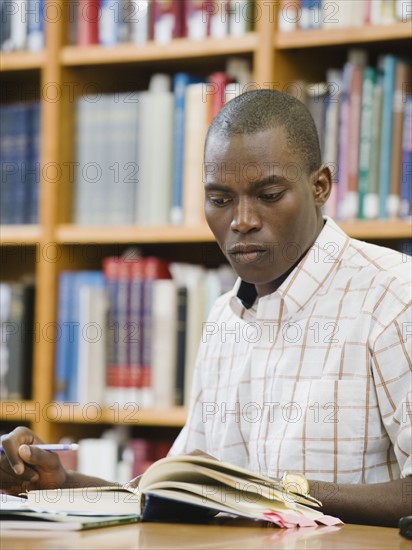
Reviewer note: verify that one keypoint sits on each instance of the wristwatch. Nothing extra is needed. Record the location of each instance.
(295, 483)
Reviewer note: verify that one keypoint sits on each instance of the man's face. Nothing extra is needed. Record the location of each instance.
(261, 204)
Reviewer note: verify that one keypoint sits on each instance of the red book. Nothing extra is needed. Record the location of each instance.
(215, 94)
(167, 20)
(88, 22)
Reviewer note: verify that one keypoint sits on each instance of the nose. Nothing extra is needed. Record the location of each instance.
(245, 217)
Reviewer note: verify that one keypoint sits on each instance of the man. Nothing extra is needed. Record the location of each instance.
(305, 365)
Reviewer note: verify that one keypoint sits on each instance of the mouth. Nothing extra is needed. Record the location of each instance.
(246, 253)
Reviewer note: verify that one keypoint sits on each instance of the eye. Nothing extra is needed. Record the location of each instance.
(271, 197)
(218, 200)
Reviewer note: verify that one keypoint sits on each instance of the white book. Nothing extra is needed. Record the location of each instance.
(139, 21)
(219, 19)
(93, 311)
(195, 134)
(164, 342)
(98, 458)
(18, 25)
(5, 301)
(240, 13)
(121, 162)
(330, 154)
(155, 153)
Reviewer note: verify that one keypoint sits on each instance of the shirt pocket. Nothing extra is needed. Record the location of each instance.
(334, 430)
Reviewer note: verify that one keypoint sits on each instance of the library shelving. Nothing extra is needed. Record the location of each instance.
(61, 70)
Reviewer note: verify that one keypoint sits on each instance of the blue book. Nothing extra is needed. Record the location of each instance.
(69, 331)
(14, 176)
(32, 174)
(387, 64)
(180, 82)
(62, 356)
(406, 174)
(35, 25)
(5, 158)
(109, 22)
(80, 279)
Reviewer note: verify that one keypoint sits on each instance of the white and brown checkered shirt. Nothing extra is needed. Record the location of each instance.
(316, 377)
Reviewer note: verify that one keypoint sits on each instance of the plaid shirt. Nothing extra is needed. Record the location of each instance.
(316, 377)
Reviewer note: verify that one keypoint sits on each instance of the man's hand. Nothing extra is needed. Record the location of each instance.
(25, 468)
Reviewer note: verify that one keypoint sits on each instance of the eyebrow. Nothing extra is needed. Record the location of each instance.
(258, 184)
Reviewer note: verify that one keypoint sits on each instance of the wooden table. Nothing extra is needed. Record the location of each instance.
(196, 537)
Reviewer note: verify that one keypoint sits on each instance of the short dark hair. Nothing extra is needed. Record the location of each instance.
(260, 110)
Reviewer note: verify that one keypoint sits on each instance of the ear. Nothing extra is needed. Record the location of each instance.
(321, 182)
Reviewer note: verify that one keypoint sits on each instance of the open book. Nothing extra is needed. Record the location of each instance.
(190, 489)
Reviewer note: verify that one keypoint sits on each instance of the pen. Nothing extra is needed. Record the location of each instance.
(53, 447)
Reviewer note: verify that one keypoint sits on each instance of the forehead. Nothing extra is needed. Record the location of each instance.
(268, 143)
(268, 151)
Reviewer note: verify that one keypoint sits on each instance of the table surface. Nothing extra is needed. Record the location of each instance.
(237, 536)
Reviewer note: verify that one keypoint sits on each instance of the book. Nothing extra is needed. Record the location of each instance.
(180, 83)
(402, 79)
(191, 489)
(17, 514)
(387, 64)
(35, 25)
(19, 338)
(406, 176)
(365, 140)
(88, 22)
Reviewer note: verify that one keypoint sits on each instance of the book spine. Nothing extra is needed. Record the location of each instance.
(140, 21)
(18, 30)
(110, 271)
(388, 63)
(180, 82)
(109, 22)
(136, 275)
(88, 22)
(219, 19)
(64, 342)
(167, 20)
(20, 341)
(241, 16)
(402, 77)
(351, 199)
(365, 144)
(35, 25)
(33, 166)
(217, 85)
(288, 15)
(180, 344)
(196, 15)
(406, 181)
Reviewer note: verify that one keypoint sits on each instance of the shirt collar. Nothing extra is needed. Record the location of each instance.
(305, 281)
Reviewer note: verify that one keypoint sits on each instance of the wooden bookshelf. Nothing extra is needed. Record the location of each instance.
(346, 36)
(181, 48)
(22, 61)
(276, 58)
(11, 235)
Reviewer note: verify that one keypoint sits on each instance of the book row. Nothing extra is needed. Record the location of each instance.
(17, 336)
(19, 160)
(335, 14)
(130, 333)
(22, 25)
(363, 115)
(139, 155)
(111, 22)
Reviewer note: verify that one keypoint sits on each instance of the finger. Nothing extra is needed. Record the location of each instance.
(11, 442)
(39, 458)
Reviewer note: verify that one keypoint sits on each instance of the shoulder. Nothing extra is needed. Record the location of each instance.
(381, 265)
